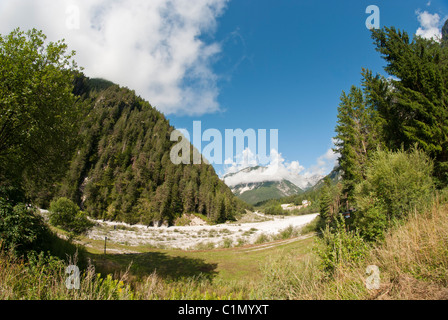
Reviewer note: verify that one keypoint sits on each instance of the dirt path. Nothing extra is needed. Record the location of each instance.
(270, 245)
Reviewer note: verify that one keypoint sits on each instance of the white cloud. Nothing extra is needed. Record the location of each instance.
(429, 25)
(278, 169)
(152, 47)
(242, 161)
(324, 164)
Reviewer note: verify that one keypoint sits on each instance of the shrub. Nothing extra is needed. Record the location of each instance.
(21, 229)
(66, 215)
(227, 243)
(340, 247)
(81, 224)
(262, 238)
(274, 209)
(396, 183)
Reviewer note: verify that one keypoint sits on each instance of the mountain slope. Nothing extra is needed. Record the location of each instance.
(122, 168)
(254, 193)
(335, 176)
(258, 184)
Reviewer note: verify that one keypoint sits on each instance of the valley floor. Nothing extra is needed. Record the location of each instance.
(243, 232)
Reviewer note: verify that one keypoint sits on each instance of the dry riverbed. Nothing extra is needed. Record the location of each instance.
(246, 231)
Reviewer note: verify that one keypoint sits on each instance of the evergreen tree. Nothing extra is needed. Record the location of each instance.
(416, 108)
(325, 201)
(356, 137)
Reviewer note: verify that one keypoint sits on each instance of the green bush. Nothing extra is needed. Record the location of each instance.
(340, 247)
(274, 209)
(21, 229)
(81, 223)
(372, 223)
(396, 183)
(65, 214)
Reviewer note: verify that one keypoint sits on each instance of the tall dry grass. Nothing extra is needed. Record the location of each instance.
(414, 257)
(44, 278)
(412, 260)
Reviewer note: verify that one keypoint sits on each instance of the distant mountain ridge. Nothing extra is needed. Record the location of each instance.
(254, 193)
(258, 184)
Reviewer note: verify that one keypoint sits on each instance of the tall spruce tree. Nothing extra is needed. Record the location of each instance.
(413, 103)
(357, 137)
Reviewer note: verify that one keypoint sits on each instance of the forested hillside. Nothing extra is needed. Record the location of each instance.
(122, 168)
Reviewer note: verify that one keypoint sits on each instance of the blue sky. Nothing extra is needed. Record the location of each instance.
(284, 65)
(249, 64)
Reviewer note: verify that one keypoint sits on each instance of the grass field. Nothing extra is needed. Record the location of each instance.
(233, 264)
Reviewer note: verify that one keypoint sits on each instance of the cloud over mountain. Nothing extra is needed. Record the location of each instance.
(153, 47)
(244, 170)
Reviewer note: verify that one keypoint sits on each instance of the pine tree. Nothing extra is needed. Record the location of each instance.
(188, 197)
(416, 111)
(357, 136)
(325, 201)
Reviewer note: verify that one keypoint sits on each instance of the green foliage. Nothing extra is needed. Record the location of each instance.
(338, 247)
(43, 277)
(325, 200)
(412, 105)
(38, 113)
(62, 212)
(396, 114)
(402, 180)
(396, 184)
(21, 229)
(66, 214)
(372, 222)
(356, 137)
(274, 209)
(329, 201)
